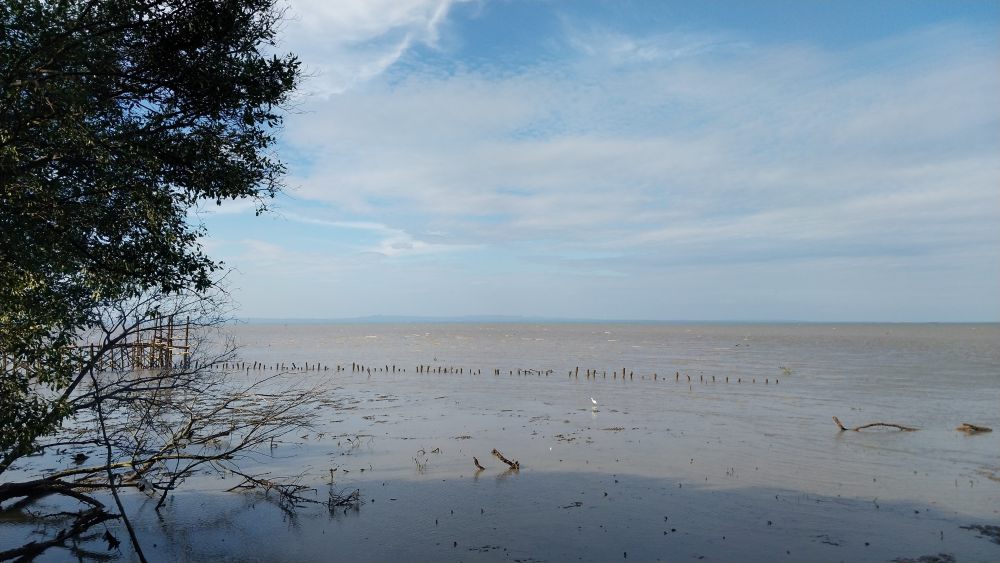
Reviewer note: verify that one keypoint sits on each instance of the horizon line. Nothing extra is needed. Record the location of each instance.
(512, 319)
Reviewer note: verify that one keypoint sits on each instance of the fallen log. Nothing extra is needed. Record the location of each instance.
(874, 424)
(515, 465)
(973, 429)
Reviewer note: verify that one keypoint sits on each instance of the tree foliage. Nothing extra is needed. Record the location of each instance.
(117, 118)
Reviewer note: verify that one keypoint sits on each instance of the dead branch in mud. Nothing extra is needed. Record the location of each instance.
(158, 426)
(479, 466)
(973, 429)
(29, 491)
(874, 424)
(84, 520)
(111, 476)
(515, 465)
(288, 492)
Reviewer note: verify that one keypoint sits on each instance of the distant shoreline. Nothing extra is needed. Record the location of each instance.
(500, 319)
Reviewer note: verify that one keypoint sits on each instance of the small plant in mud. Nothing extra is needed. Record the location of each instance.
(421, 464)
(337, 499)
(786, 371)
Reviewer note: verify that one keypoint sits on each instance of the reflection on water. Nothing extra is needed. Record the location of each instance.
(658, 469)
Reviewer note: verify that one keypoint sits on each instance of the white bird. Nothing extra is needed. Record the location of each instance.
(593, 401)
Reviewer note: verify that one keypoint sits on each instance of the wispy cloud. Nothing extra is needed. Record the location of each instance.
(391, 242)
(347, 42)
(602, 44)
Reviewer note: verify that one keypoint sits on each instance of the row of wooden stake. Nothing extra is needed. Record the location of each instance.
(355, 367)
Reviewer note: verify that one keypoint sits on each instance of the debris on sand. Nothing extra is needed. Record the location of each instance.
(873, 424)
(972, 428)
(515, 465)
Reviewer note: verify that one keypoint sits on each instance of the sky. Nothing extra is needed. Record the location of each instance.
(661, 160)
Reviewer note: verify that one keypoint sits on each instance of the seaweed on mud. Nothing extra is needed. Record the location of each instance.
(987, 531)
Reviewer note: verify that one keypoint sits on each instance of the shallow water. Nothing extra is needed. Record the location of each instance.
(659, 469)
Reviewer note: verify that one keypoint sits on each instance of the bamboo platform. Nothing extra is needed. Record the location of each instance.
(161, 342)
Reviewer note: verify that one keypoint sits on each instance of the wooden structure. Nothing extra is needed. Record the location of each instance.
(161, 342)
(155, 343)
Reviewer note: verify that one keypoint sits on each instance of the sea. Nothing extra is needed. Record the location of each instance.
(635, 442)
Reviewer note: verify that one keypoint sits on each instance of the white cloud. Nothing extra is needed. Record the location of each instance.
(347, 42)
(754, 144)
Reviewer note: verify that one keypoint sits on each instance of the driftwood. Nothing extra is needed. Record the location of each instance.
(873, 424)
(515, 465)
(479, 466)
(973, 429)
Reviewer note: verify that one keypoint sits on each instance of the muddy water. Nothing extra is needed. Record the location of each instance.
(659, 469)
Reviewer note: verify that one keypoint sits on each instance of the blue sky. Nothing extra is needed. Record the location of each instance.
(819, 161)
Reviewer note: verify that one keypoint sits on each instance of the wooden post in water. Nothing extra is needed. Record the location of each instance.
(147, 337)
(187, 345)
(154, 349)
(150, 350)
(170, 343)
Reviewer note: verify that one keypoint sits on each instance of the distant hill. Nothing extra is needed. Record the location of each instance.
(483, 319)
(404, 319)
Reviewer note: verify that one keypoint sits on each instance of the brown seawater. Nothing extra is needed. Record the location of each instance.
(659, 469)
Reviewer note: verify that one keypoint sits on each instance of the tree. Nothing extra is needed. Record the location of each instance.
(117, 117)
